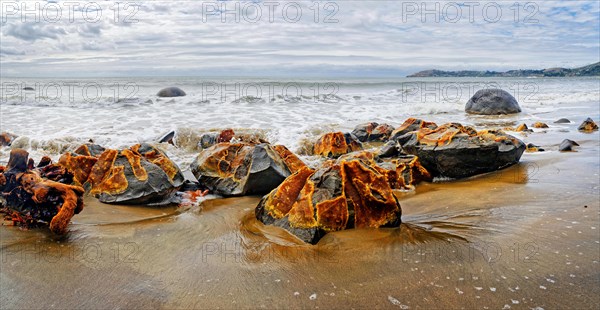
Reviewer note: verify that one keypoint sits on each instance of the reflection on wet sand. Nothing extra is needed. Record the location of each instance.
(522, 238)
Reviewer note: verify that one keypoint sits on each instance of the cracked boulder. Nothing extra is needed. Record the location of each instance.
(402, 172)
(237, 169)
(346, 194)
(335, 144)
(369, 132)
(141, 174)
(80, 162)
(456, 151)
(293, 162)
(411, 124)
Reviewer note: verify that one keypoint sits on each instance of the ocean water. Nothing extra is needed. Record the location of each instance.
(59, 114)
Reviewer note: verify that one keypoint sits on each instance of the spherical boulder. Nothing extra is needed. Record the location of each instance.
(492, 101)
(171, 92)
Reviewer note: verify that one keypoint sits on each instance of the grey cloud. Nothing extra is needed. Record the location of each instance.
(90, 30)
(368, 37)
(34, 31)
(10, 51)
(91, 46)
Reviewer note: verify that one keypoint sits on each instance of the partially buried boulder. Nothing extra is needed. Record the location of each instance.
(171, 92)
(40, 195)
(167, 138)
(588, 126)
(567, 145)
(532, 148)
(457, 151)
(492, 101)
(335, 144)
(141, 174)
(347, 194)
(369, 132)
(237, 169)
(523, 127)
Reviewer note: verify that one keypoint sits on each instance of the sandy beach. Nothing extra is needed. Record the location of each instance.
(522, 237)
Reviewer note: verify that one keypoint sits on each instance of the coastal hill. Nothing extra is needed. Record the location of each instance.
(589, 70)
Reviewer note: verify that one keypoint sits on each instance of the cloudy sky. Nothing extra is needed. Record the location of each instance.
(293, 38)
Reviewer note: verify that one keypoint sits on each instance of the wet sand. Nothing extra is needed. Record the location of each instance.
(524, 237)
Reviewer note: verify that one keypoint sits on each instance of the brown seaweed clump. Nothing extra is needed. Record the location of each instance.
(40, 195)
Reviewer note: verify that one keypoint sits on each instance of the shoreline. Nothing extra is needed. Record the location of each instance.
(216, 246)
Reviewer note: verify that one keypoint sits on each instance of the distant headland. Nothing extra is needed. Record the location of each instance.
(589, 70)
